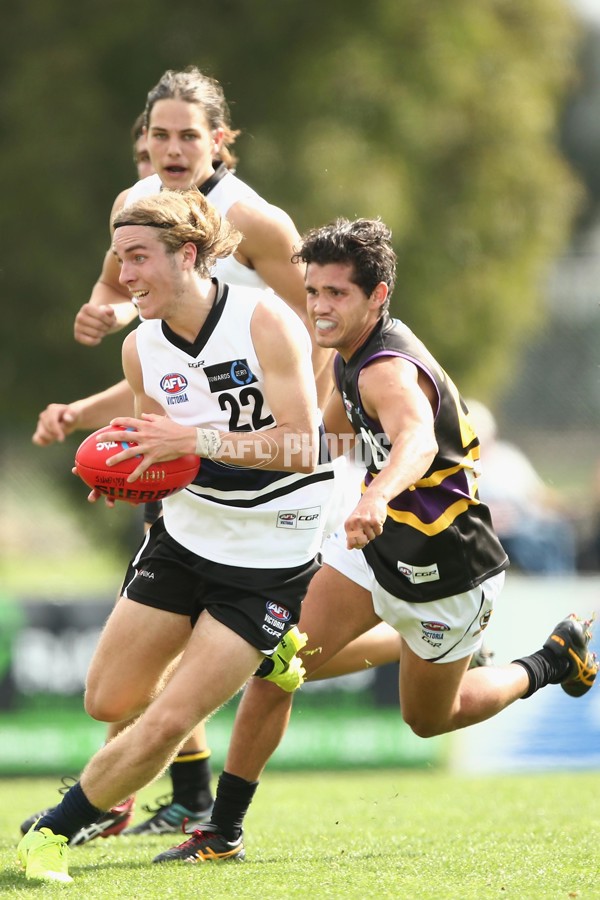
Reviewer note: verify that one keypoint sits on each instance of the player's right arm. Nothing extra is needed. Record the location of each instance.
(59, 420)
(132, 368)
(109, 308)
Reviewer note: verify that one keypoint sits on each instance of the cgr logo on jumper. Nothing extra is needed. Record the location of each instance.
(419, 574)
(227, 375)
(302, 519)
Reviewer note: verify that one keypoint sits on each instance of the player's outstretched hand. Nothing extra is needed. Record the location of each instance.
(93, 322)
(54, 424)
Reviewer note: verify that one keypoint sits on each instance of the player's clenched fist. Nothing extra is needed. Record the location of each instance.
(93, 322)
(365, 523)
(54, 424)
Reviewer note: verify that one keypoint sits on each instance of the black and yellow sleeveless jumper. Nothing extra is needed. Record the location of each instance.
(438, 539)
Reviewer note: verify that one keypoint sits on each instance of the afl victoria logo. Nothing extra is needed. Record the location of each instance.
(173, 383)
(278, 612)
(435, 626)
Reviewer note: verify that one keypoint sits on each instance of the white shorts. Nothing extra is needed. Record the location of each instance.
(348, 477)
(441, 630)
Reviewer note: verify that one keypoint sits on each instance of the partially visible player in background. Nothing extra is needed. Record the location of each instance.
(141, 156)
(189, 135)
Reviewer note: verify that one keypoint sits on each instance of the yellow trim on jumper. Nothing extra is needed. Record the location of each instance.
(437, 526)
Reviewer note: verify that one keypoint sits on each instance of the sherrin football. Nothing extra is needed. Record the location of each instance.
(160, 480)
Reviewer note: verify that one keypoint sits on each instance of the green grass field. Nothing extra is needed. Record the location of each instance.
(363, 834)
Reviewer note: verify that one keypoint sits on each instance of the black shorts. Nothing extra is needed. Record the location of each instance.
(260, 605)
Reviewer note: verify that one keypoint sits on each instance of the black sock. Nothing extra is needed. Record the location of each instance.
(190, 776)
(234, 796)
(543, 667)
(72, 813)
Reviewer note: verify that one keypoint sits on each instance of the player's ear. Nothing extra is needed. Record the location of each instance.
(190, 252)
(379, 295)
(218, 135)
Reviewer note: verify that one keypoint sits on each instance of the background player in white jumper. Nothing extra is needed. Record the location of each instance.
(141, 156)
(189, 134)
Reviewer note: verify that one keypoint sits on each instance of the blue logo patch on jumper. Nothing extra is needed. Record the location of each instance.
(227, 375)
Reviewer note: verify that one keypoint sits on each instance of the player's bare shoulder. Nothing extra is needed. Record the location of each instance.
(280, 338)
(273, 317)
(261, 223)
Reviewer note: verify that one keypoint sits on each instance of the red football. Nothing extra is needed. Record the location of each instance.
(160, 480)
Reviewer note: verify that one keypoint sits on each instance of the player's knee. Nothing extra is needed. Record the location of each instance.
(109, 706)
(422, 724)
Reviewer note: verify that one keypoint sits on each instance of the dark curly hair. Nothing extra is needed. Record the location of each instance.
(364, 243)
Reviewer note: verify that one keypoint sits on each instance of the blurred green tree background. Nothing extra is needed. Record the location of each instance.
(442, 118)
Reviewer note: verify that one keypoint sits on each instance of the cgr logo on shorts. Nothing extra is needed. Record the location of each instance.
(301, 519)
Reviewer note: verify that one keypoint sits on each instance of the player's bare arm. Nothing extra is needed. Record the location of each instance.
(132, 369)
(109, 308)
(399, 396)
(59, 420)
(269, 241)
(283, 350)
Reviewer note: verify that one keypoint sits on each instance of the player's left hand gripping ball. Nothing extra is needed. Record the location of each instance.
(160, 479)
